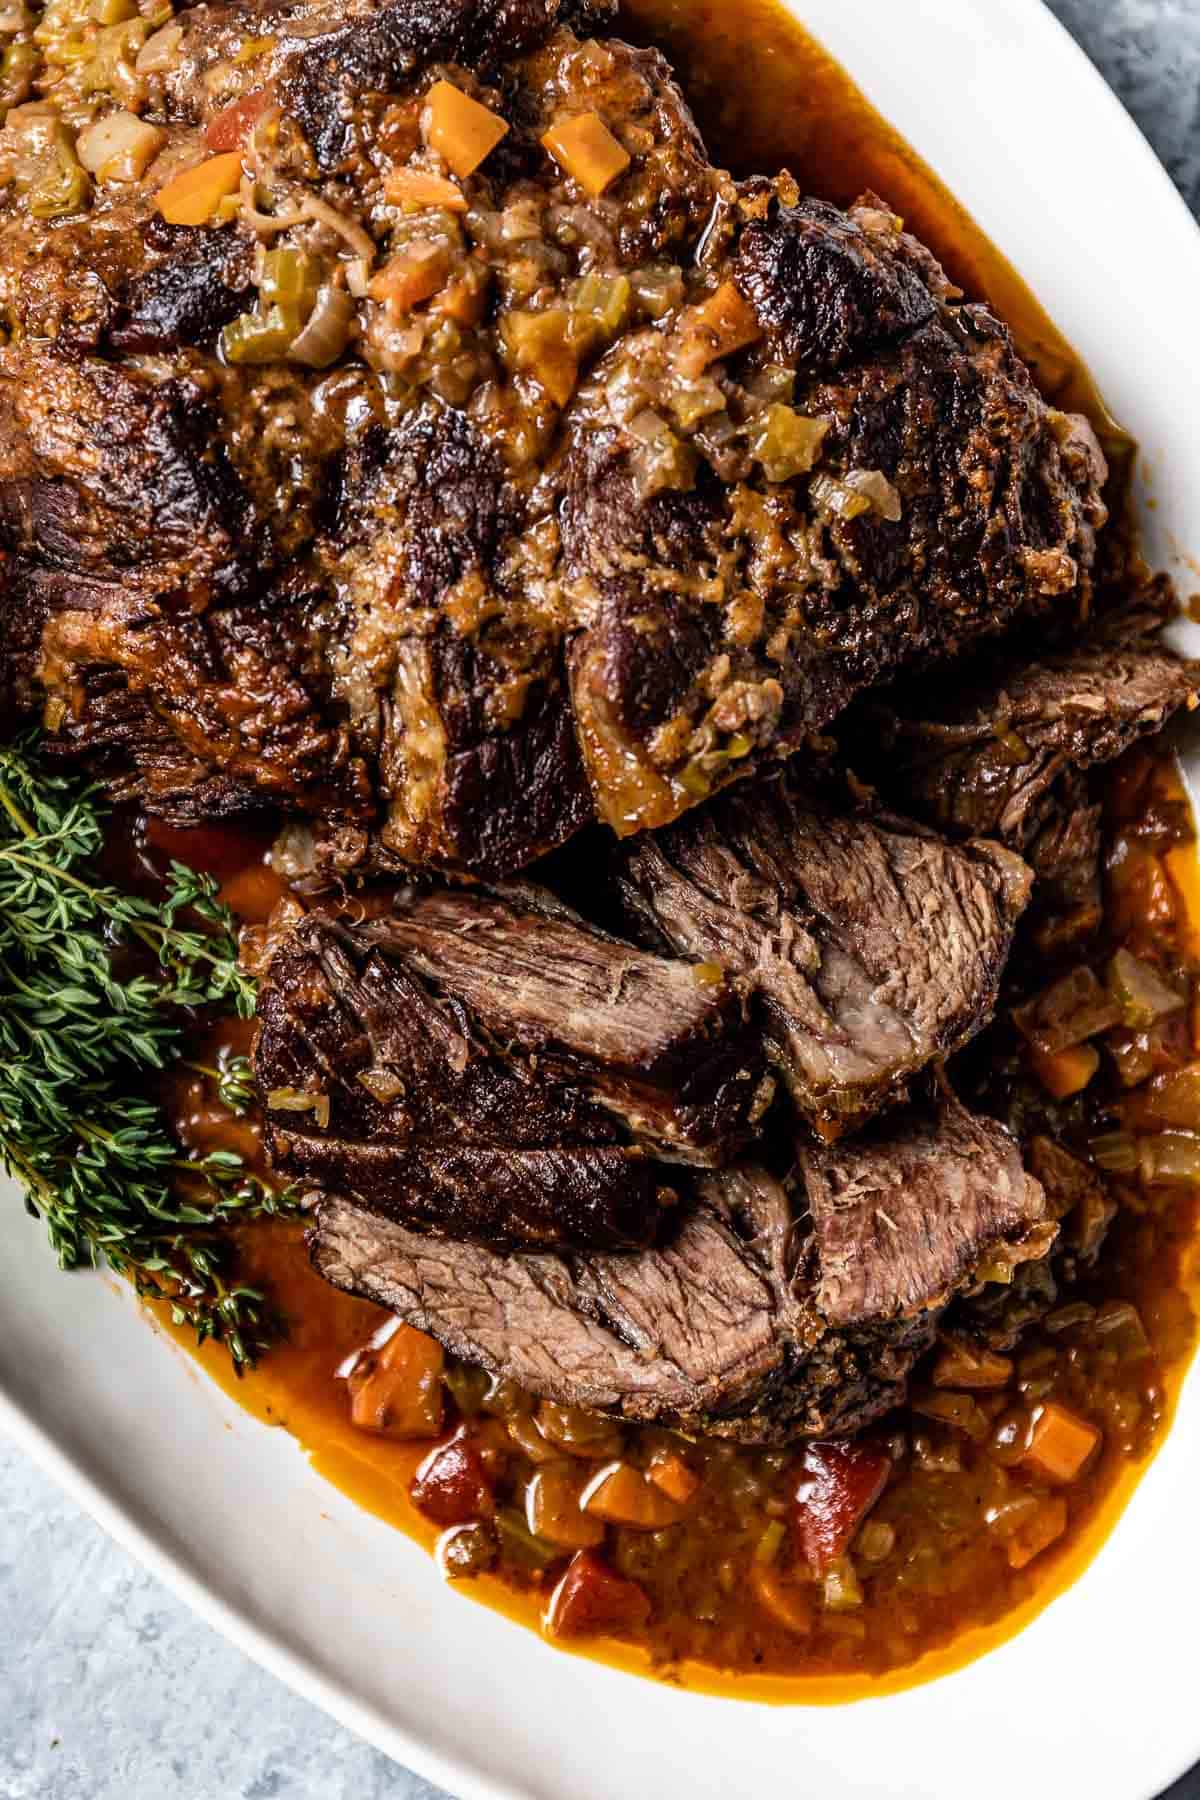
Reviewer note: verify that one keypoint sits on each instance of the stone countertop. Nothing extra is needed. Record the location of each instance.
(111, 1689)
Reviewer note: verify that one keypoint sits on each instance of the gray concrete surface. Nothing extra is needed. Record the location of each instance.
(109, 1688)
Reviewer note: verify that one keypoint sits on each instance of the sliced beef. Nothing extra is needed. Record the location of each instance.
(871, 945)
(529, 550)
(1007, 753)
(747, 1323)
(984, 762)
(497, 1074)
(728, 605)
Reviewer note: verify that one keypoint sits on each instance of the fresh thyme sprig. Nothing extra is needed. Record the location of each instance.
(78, 1039)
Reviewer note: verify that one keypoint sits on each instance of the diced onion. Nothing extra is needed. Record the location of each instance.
(119, 146)
(1140, 991)
(295, 1100)
(877, 490)
(382, 1084)
(328, 329)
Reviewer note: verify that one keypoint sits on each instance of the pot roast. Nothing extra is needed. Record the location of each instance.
(406, 428)
(453, 506)
(763, 1317)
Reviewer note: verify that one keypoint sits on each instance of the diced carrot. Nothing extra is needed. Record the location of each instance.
(417, 187)
(409, 277)
(232, 124)
(461, 130)
(464, 300)
(193, 197)
(725, 322)
(839, 1484)
(966, 1365)
(587, 150)
(1044, 1529)
(670, 1473)
(396, 1390)
(451, 1486)
(622, 1495)
(591, 1597)
(789, 1604)
(553, 1511)
(1061, 1442)
(1066, 1072)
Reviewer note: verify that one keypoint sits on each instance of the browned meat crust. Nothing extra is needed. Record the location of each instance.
(499, 1073)
(525, 553)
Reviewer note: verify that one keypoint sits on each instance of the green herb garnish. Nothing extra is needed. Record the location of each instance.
(79, 1034)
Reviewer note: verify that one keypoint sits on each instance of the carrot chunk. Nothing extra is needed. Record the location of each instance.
(1066, 1072)
(587, 151)
(396, 1390)
(193, 197)
(553, 1511)
(451, 1486)
(725, 322)
(1060, 1443)
(410, 276)
(839, 1484)
(671, 1474)
(591, 1597)
(416, 187)
(461, 130)
(787, 1602)
(624, 1496)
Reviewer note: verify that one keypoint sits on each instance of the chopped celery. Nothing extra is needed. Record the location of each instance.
(605, 300)
(290, 278)
(64, 188)
(260, 337)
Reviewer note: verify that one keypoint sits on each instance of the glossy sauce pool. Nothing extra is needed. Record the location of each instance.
(759, 83)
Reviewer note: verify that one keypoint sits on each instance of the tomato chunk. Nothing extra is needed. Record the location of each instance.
(231, 126)
(451, 1486)
(839, 1484)
(591, 1597)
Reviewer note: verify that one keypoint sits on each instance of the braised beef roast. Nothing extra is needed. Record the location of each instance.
(449, 515)
(423, 438)
(763, 1318)
(870, 944)
(499, 1073)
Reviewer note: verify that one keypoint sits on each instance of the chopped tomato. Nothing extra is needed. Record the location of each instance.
(396, 1389)
(230, 128)
(591, 1597)
(451, 1486)
(839, 1484)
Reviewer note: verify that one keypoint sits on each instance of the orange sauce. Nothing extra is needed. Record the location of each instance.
(766, 96)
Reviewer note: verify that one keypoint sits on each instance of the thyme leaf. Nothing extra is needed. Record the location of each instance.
(80, 1034)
